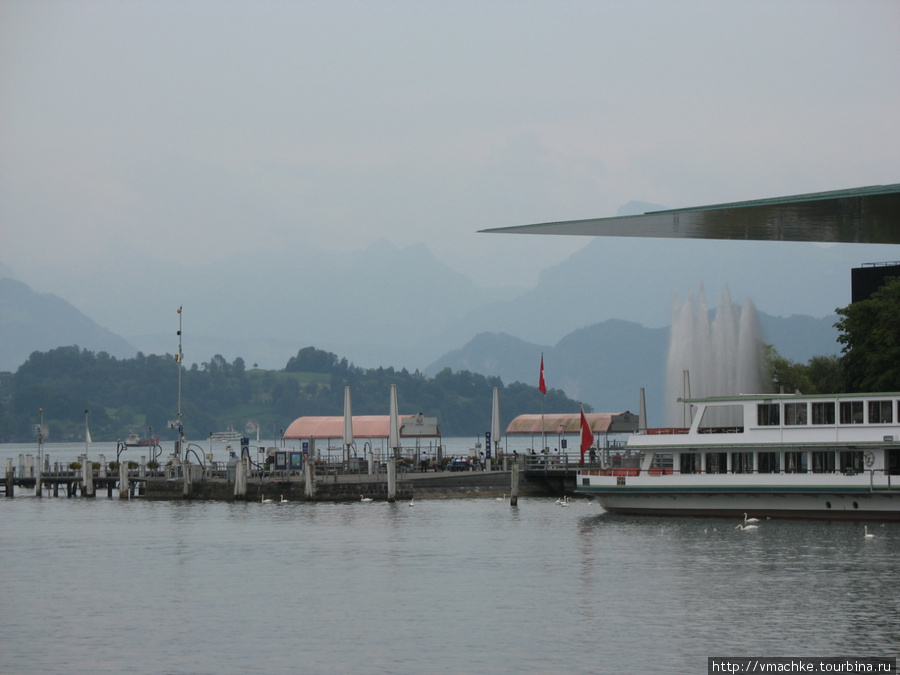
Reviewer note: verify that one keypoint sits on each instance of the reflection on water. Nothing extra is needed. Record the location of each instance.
(444, 586)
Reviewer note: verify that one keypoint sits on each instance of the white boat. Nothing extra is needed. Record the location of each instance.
(778, 456)
(226, 436)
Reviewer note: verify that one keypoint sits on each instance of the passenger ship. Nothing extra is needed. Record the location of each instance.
(779, 456)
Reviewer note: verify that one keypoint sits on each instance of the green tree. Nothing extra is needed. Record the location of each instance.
(870, 333)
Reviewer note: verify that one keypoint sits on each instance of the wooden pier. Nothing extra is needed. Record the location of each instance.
(329, 483)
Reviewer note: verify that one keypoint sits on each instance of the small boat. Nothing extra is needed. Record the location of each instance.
(134, 440)
(778, 456)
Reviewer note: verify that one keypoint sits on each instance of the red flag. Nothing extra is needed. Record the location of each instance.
(587, 436)
(542, 385)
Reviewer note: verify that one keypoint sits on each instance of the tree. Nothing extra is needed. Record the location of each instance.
(870, 333)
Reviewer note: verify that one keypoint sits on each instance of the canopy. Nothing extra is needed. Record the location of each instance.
(570, 423)
(364, 426)
(865, 215)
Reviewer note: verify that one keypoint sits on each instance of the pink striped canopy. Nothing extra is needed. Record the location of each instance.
(364, 426)
(570, 423)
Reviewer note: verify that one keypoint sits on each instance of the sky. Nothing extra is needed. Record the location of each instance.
(199, 129)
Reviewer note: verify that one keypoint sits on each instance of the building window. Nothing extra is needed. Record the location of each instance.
(794, 413)
(823, 412)
(880, 412)
(851, 412)
(767, 415)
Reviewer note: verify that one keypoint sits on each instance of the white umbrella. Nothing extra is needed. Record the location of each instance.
(395, 421)
(495, 420)
(348, 423)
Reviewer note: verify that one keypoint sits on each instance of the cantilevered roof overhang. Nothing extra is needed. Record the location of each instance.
(867, 215)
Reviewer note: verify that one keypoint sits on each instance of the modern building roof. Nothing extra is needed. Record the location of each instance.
(866, 215)
(364, 426)
(570, 423)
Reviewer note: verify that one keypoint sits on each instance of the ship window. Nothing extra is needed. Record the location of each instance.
(795, 413)
(851, 461)
(795, 462)
(823, 412)
(823, 461)
(768, 462)
(880, 412)
(690, 462)
(767, 415)
(716, 462)
(893, 462)
(742, 462)
(851, 412)
(662, 460)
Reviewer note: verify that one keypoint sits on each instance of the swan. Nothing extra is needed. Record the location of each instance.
(411, 503)
(565, 501)
(363, 498)
(743, 527)
(867, 535)
(263, 500)
(283, 500)
(750, 520)
(500, 499)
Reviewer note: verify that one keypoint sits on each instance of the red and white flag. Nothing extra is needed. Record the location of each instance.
(542, 385)
(587, 436)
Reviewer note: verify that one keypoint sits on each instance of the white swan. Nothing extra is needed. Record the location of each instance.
(283, 500)
(743, 527)
(363, 498)
(411, 502)
(263, 500)
(565, 501)
(867, 535)
(500, 499)
(750, 520)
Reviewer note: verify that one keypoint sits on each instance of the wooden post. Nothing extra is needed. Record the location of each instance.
(391, 479)
(10, 481)
(87, 477)
(514, 484)
(186, 475)
(240, 479)
(309, 477)
(37, 480)
(123, 480)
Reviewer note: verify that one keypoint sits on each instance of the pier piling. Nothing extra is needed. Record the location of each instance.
(514, 484)
(123, 480)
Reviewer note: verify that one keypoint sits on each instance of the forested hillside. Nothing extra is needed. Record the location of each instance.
(129, 395)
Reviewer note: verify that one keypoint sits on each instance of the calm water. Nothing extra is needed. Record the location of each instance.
(446, 586)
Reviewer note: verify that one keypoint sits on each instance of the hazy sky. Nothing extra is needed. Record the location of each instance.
(204, 128)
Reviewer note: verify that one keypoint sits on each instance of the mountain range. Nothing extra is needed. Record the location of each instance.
(603, 364)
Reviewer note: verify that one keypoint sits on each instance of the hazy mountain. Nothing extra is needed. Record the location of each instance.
(605, 365)
(379, 306)
(32, 321)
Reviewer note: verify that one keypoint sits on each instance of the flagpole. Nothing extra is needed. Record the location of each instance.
(543, 387)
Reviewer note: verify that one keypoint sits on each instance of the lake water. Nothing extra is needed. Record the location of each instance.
(445, 586)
